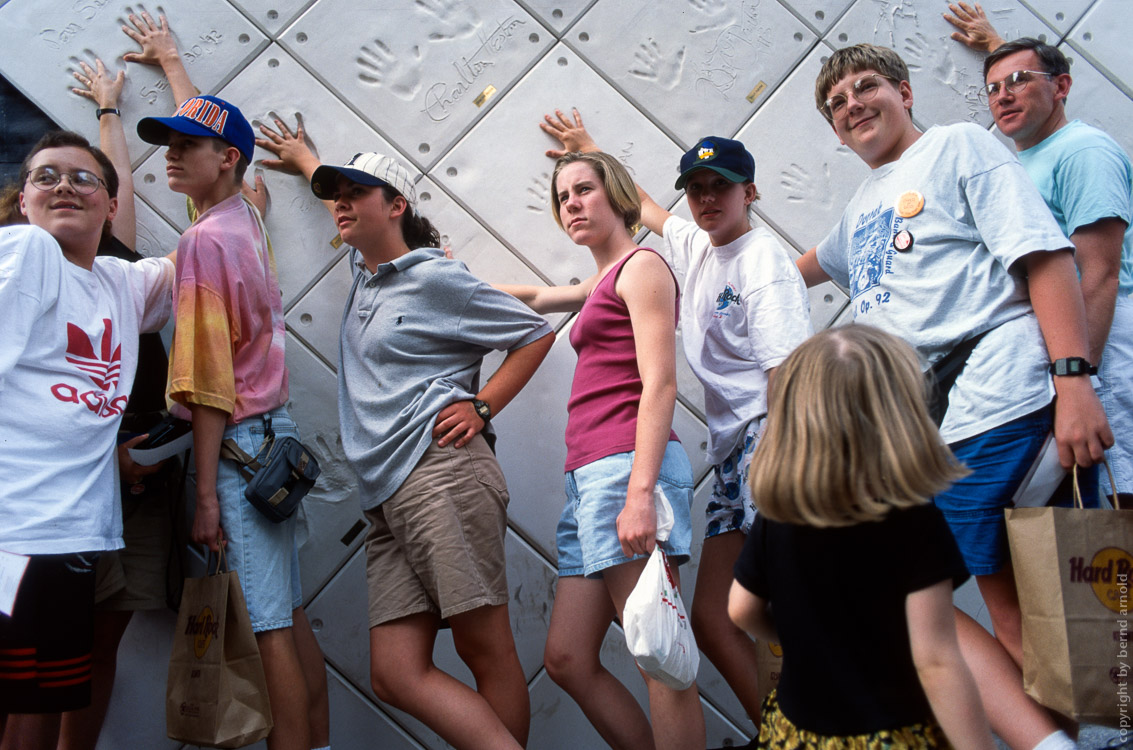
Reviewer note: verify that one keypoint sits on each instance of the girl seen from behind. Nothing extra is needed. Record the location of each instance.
(849, 566)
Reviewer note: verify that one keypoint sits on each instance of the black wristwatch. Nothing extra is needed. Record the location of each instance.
(106, 111)
(1071, 366)
(482, 409)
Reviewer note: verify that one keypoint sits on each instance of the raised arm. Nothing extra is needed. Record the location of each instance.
(973, 28)
(649, 292)
(294, 152)
(947, 682)
(98, 85)
(160, 49)
(573, 136)
(1080, 426)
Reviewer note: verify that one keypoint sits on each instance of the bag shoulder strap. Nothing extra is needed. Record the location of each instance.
(944, 374)
(233, 452)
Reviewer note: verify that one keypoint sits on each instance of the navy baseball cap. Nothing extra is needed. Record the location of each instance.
(205, 116)
(723, 155)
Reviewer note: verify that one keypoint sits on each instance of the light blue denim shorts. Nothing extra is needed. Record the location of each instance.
(587, 535)
(262, 553)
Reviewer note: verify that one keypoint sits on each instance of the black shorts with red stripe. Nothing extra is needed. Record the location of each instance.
(45, 646)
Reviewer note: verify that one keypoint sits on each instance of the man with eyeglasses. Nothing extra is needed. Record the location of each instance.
(1086, 179)
(948, 245)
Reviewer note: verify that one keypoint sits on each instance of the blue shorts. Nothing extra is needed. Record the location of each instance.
(587, 535)
(263, 553)
(999, 460)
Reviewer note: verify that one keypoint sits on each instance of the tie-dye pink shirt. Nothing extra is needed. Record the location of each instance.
(228, 342)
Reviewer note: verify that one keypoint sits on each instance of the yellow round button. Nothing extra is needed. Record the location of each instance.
(910, 204)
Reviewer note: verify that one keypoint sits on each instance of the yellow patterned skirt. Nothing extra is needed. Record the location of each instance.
(778, 733)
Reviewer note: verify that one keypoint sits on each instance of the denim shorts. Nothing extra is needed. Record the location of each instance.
(263, 553)
(999, 460)
(587, 535)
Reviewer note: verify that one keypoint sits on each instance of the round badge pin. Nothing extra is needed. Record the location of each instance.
(903, 241)
(910, 204)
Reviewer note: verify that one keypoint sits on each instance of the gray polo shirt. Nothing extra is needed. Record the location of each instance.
(414, 335)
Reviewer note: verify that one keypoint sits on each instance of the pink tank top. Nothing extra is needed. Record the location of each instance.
(602, 410)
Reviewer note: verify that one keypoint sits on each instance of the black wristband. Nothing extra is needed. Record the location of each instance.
(106, 111)
(1072, 366)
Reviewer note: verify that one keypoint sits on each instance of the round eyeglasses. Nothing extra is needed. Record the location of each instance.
(81, 181)
(1012, 84)
(865, 88)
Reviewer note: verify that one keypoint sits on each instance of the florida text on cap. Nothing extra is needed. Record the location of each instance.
(206, 116)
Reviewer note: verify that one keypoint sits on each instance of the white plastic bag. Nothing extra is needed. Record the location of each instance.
(657, 628)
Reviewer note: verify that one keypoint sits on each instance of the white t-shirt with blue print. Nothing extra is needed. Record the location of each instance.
(981, 214)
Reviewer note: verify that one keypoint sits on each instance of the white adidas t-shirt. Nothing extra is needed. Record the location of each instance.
(68, 351)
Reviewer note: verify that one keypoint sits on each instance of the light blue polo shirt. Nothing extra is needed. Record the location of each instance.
(1085, 176)
(414, 334)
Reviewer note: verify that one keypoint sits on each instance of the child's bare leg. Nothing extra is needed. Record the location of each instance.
(315, 674)
(30, 732)
(79, 729)
(1002, 600)
(287, 690)
(581, 616)
(730, 649)
(678, 719)
(1014, 716)
(484, 642)
(403, 675)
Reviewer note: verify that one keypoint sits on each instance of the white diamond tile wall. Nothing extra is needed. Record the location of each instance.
(557, 14)
(1060, 15)
(1103, 37)
(422, 89)
(456, 89)
(499, 171)
(699, 67)
(44, 42)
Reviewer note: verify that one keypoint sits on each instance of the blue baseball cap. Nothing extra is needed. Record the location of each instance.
(205, 116)
(722, 155)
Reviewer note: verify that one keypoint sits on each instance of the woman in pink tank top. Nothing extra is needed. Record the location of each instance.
(620, 444)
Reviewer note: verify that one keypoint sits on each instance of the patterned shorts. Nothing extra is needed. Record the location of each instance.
(731, 506)
(778, 733)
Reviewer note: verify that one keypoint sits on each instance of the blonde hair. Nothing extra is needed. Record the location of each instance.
(854, 60)
(620, 190)
(848, 433)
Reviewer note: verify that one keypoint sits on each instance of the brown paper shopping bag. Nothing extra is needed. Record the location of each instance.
(769, 659)
(1072, 570)
(216, 694)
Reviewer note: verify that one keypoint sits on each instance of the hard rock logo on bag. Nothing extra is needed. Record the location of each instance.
(1108, 573)
(203, 627)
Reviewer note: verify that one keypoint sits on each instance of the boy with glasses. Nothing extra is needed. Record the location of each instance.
(948, 245)
(68, 351)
